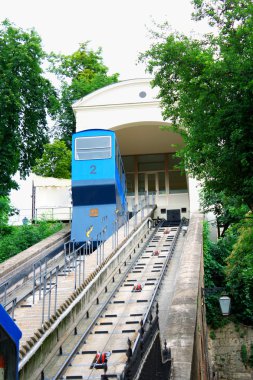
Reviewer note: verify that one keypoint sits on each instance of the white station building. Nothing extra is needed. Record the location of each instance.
(132, 110)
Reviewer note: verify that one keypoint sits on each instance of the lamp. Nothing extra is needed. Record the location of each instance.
(225, 304)
(224, 301)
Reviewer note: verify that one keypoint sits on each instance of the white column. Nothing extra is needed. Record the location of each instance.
(194, 189)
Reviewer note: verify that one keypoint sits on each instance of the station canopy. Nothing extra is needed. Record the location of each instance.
(130, 108)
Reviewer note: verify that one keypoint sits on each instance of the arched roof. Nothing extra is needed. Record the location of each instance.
(131, 91)
(125, 102)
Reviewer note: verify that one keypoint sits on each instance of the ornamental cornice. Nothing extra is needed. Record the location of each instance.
(118, 105)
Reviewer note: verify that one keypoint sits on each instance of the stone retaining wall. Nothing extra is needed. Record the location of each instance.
(225, 352)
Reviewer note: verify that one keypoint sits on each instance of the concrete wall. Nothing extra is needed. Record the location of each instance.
(182, 315)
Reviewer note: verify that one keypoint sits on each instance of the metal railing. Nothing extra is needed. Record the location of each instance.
(13, 303)
(74, 260)
(45, 213)
(3, 298)
(53, 213)
(38, 279)
(79, 263)
(48, 287)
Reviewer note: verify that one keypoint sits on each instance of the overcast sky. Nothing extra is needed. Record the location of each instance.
(120, 28)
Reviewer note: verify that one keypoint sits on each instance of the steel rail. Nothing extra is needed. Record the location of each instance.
(72, 354)
(158, 284)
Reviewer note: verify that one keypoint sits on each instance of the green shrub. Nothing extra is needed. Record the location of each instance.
(244, 354)
(22, 237)
(214, 262)
(239, 271)
(251, 356)
(212, 335)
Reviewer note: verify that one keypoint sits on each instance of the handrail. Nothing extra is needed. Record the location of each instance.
(53, 272)
(13, 301)
(5, 286)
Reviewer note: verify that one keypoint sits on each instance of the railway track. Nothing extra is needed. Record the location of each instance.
(114, 322)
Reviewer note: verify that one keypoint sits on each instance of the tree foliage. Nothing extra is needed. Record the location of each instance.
(6, 210)
(55, 161)
(25, 98)
(239, 271)
(22, 237)
(206, 90)
(229, 264)
(80, 74)
(215, 256)
(226, 210)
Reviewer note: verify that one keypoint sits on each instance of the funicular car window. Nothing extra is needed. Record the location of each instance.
(93, 148)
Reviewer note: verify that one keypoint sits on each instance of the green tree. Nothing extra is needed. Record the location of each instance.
(25, 98)
(215, 256)
(6, 210)
(80, 74)
(55, 161)
(229, 264)
(239, 271)
(227, 210)
(206, 90)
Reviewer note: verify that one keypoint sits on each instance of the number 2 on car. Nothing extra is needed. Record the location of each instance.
(93, 169)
